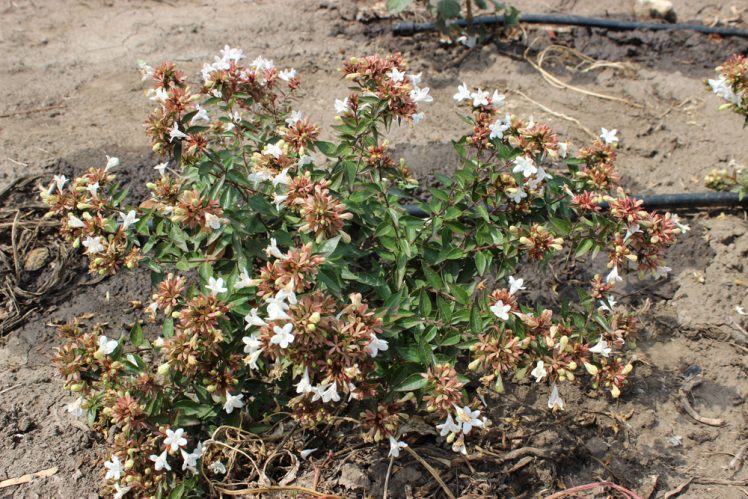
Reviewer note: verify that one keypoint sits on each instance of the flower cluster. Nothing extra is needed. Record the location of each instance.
(732, 84)
(289, 274)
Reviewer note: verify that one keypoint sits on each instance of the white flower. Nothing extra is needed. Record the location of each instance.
(161, 168)
(555, 401)
(213, 221)
(190, 458)
(174, 439)
(376, 345)
(542, 175)
(294, 117)
(93, 245)
(448, 426)
(500, 310)
(305, 385)
(60, 181)
(305, 159)
(287, 294)
(740, 310)
(661, 271)
(277, 311)
(463, 92)
(160, 462)
(262, 64)
(417, 118)
(114, 468)
(459, 445)
(524, 165)
(415, 80)
(201, 115)
(257, 177)
(341, 106)
(111, 162)
(480, 98)
(252, 319)
(75, 222)
(159, 95)
(145, 69)
(174, 133)
(252, 359)
(613, 276)
(216, 286)
(722, 89)
(631, 230)
(120, 491)
(395, 446)
(217, 467)
(278, 200)
(611, 303)
(498, 128)
(468, 419)
(609, 136)
(230, 54)
(273, 150)
(272, 249)
(515, 285)
(107, 346)
(281, 178)
(395, 75)
(158, 342)
(421, 95)
(468, 41)
(307, 452)
(244, 280)
(251, 344)
(93, 189)
(75, 408)
(518, 195)
(497, 99)
(128, 220)
(233, 402)
(287, 74)
(326, 392)
(539, 372)
(563, 149)
(683, 227)
(282, 335)
(601, 348)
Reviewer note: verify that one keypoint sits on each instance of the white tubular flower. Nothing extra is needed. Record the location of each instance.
(75, 408)
(304, 385)
(216, 286)
(273, 150)
(480, 98)
(396, 76)
(160, 462)
(395, 446)
(111, 162)
(498, 128)
(120, 491)
(244, 280)
(609, 136)
(114, 468)
(613, 276)
(539, 372)
(524, 165)
(555, 402)
(272, 250)
(252, 319)
(60, 181)
(175, 439)
(294, 117)
(516, 285)
(497, 99)
(233, 402)
(128, 220)
(287, 74)
(201, 115)
(500, 310)
(217, 467)
(281, 178)
(161, 168)
(376, 345)
(601, 348)
(463, 93)
(107, 346)
(174, 133)
(448, 426)
(93, 245)
(282, 335)
(341, 106)
(421, 95)
(75, 222)
(518, 195)
(251, 344)
(468, 419)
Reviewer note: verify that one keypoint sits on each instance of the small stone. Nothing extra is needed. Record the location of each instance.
(36, 259)
(25, 424)
(352, 478)
(662, 9)
(597, 446)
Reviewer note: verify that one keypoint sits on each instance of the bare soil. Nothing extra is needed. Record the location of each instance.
(71, 94)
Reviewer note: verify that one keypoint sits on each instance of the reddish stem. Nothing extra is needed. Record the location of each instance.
(564, 493)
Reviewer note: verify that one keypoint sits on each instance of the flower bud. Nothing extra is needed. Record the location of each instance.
(572, 366)
(474, 365)
(562, 343)
(76, 387)
(129, 464)
(99, 355)
(592, 369)
(627, 369)
(615, 392)
(163, 369)
(311, 327)
(211, 388)
(315, 318)
(570, 376)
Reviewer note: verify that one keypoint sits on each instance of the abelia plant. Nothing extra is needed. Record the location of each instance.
(732, 85)
(308, 275)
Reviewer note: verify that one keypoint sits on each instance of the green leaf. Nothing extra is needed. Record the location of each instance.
(432, 277)
(395, 6)
(328, 247)
(425, 303)
(448, 9)
(476, 324)
(136, 335)
(584, 247)
(481, 261)
(168, 327)
(327, 148)
(415, 381)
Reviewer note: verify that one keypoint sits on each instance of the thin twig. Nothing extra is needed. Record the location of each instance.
(433, 472)
(14, 242)
(737, 462)
(626, 492)
(31, 111)
(10, 482)
(677, 490)
(559, 115)
(387, 478)
(275, 488)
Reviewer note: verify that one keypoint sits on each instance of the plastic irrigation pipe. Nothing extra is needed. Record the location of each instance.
(408, 28)
(687, 200)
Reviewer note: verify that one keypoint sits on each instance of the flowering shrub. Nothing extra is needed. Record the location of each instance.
(732, 85)
(305, 275)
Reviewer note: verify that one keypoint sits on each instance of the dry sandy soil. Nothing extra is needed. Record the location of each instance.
(71, 94)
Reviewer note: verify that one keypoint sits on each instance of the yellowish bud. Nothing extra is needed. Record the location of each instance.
(592, 369)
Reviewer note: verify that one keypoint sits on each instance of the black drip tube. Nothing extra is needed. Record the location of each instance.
(409, 28)
(685, 201)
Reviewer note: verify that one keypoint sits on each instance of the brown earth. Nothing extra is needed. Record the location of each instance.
(72, 94)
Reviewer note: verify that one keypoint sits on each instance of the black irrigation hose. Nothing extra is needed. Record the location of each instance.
(409, 28)
(689, 201)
